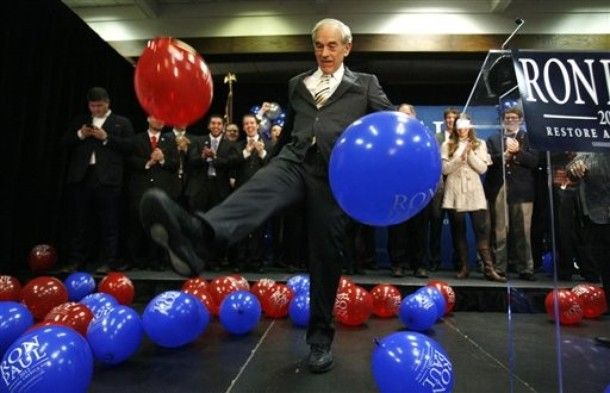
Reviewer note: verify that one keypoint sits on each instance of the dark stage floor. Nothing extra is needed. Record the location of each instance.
(272, 357)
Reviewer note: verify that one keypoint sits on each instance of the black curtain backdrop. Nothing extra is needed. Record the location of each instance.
(49, 58)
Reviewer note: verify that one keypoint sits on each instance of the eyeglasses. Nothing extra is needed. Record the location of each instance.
(511, 118)
(232, 130)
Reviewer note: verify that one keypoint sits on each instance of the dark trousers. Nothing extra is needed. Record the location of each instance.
(407, 242)
(597, 243)
(481, 225)
(92, 201)
(273, 188)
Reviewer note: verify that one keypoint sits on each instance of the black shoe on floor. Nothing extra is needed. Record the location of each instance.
(175, 230)
(421, 273)
(527, 276)
(605, 341)
(398, 272)
(320, 358)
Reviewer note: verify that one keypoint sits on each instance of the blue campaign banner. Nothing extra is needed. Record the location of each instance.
(485, 118)
(565, 98)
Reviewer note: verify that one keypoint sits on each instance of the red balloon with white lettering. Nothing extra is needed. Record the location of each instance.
(277, 300)
(570, 311)
(353, 306)
(386, 300)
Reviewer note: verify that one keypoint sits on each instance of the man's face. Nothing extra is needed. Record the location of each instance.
(155, 124)
(450, 121)
(99, 108)
(329, 49)
(512, 122)
(232, 132)
(215, 126)
(250, 126)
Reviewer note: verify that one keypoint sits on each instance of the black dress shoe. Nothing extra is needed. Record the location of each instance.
(175, 230)
(320, 358)
(421, 273)
(398, 272)
(605, 341)
(527, 276)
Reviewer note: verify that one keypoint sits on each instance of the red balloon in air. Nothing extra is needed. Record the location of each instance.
(570, 311)
(42, 257)
(386, 300)
(74, 315)
(42, 294)
(353, 306)
(277, 300)
(118, 285)
(10, 288)
(447, 292)
(172, 82)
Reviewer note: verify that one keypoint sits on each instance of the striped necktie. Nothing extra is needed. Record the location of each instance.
(322, 90)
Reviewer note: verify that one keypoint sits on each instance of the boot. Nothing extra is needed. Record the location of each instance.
(488, 266)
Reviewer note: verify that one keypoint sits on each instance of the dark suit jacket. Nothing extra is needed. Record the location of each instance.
(108, 157)
(356, 95)
(225, 161)
(247, 167)
(181, 183)
(160, 176)
(519, 170)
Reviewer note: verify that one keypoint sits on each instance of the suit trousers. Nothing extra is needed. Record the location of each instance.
(597, 243)
(512, 234)
(278, 185)
(91, 200)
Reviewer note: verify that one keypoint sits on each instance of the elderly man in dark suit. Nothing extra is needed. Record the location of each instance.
(323, 102)
(97, 144)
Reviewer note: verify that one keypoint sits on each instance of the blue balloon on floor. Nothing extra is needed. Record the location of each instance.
(15, 318)
(47, 359)
(240, 312)
(173, 319)
(438, 299)
(79, 285)
(116, 336)
(299, 310)
(410, 362)
(99, 303)
(418, 312)
(299, 283)
(384, 168)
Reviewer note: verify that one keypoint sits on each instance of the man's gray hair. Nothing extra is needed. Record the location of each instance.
(346, 33)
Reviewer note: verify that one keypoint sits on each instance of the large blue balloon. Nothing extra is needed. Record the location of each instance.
(15, 318)
(384, 168)
(418, 312)
(240, 312)
(79, 285)
(438, 299)
(409, 362)
(299, 310)
(116, 336)
(173, 319)
(299, 284)
(47, 359)
(99, 303)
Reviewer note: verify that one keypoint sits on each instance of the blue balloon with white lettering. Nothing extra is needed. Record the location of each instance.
(418, 312)
(410, 362)
(99, 303)
(79, 285)
(15, 318)
(384, 168)
(438, 299)
(47, 359)
(116, 336)
(173, 319)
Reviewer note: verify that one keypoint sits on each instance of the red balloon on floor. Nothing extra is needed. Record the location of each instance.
(386, 300)
(570, 312)
(353, 306)
(344, 283)
(197, 282)
(172, 82)
(42, 257)
(10, 288)
(447, 292)
(277, 300)
(118, 285)
(261, 287)
(220, 287)
(42, 294)
(592, 299)
(74, 315)
(241, 282)
(203, 295)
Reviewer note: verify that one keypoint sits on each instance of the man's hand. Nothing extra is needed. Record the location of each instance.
(577, 169)
(207, 153)
(259, 146)
(99, 133)
(183, 143)
(512, 145)
(86, 131)
(157, 155)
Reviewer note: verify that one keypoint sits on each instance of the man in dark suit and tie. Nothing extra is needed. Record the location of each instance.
(97, 144)
(153, 164)
(323, 102)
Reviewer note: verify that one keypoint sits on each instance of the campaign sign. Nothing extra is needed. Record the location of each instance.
(566, 99)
